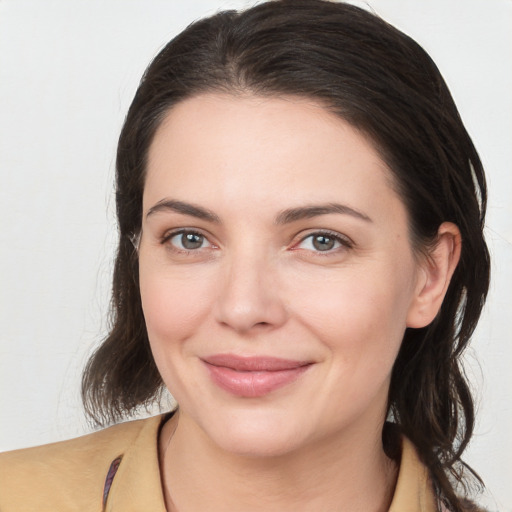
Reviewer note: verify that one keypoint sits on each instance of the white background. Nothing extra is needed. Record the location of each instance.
(68, 71)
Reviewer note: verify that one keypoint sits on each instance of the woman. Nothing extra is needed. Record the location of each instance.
(300, 259)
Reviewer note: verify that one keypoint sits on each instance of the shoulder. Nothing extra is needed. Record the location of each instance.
(69, 475)
(415, 489)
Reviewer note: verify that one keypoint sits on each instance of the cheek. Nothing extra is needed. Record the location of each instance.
(173, 304)
(360, 316)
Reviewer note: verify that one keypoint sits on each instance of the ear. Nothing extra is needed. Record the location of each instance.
(434, 276)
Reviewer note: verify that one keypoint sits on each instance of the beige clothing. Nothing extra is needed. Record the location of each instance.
(70, 475)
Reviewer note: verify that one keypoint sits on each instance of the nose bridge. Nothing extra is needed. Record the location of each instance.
(249, 295)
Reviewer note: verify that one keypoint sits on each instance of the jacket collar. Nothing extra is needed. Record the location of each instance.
(414, 490)
(137, 482)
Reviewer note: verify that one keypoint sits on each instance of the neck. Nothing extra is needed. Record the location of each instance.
(348, 474)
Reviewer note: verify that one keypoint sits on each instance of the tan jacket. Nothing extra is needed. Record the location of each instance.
(71, 475)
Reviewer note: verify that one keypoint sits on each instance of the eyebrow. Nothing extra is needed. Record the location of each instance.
(183, 208)
(308, 212)
(285, 217)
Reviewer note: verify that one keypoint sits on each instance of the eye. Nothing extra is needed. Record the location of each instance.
(323, 242)
(187, 240)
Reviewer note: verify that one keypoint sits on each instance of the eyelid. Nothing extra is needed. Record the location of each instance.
(344, 241)
(171, 233)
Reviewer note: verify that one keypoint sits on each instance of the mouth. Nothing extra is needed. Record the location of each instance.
(253, 377)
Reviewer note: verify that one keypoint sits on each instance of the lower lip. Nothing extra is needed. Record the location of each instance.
(252, 384)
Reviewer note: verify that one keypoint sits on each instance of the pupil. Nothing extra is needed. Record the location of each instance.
(323, 243)
(191, 240)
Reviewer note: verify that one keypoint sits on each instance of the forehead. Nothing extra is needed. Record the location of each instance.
(221, 147)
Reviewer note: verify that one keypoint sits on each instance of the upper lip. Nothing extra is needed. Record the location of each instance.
(254, 363)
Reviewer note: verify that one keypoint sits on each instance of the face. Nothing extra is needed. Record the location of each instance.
(276, 272)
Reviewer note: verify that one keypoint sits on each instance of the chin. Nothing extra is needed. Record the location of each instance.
(259, 444)
(257, 433)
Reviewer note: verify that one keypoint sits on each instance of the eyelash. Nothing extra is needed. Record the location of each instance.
(343, 241)
(165, 240)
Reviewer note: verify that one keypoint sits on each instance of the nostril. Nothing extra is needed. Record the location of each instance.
(262, 325)
(246, 300)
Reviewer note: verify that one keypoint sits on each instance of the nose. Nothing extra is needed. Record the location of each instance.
(249, 295)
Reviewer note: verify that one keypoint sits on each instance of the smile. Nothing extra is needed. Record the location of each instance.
(253, 377)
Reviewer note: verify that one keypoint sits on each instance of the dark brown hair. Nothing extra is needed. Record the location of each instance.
(382, 82)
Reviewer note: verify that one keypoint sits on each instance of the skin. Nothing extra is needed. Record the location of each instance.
(256, 285)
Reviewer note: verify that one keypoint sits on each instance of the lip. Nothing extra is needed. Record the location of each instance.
(253, 377)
